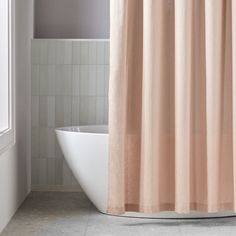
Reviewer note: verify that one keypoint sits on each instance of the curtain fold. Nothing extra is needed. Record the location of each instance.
(234, 93)
(172, 106)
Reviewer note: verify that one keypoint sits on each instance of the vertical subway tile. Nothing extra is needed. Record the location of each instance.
(47, 142)
(100, 80)
(75, 119)
(58, 172)
(63, 53)
(43, 142)
(67, 80)
(58, 152)
(42, 165)
(91, 110)
(76, 53)
(35, 80)
(70, 83)
(51, 52)
(59, 52)
(83, 85)
(83, 110)
(63, 111)
(51, 142)
(106, 111)
(54, 172)
(75, 80)
(84, 53)
(51, 111)
(43, 77)
(35, 142)
(106, 79)
(43, 111)
(68, 53)
(51, 171)
(100, 110)
(63, 80)
(59, 80)
(66, 174)
(100, 53)
(51, 83)
(35, 52)
(35, 172)
(43, 52)
(67, 110)
(47, 111)
(47, 80)
(35, 111)
(92, 80)
(59, 113)
(107, 53)
(92, 53)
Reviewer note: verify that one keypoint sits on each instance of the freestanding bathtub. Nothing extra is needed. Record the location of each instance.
(85, 149)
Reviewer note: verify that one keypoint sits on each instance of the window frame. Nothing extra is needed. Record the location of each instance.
(7, 137)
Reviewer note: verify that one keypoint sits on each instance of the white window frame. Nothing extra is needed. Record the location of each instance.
(7, 137)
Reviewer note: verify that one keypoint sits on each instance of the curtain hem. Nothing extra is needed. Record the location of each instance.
(172, 207)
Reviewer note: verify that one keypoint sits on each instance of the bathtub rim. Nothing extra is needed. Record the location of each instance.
(76, 129)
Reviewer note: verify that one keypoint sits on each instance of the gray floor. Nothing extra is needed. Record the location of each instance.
(70, 214)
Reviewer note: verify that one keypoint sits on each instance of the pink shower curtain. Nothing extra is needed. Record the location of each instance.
(172, 108)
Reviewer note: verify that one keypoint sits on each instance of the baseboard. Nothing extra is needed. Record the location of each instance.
(56, 188)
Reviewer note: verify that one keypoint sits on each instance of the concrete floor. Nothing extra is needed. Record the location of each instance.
(71, 214)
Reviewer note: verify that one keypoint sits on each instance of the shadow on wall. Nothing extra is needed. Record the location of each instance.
(72, 18)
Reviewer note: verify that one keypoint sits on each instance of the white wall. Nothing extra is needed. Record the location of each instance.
(72, 18)
(15, 163)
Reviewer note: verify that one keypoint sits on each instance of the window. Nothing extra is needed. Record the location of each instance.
(6, 75)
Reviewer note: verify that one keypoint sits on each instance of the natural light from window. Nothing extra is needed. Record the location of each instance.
(4, 67)
(7, 72)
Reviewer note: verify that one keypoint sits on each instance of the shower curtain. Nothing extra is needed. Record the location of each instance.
(172, 106)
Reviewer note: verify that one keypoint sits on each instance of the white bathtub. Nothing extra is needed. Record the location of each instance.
(86, 151)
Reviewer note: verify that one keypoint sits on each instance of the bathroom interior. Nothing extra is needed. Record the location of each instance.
(117, 117)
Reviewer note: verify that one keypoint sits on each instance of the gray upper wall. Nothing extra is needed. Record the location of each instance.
(72, 18)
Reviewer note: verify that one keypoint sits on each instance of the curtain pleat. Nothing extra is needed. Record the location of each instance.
(172, 106)
(214, 89)
(183, 97)
(234, 94)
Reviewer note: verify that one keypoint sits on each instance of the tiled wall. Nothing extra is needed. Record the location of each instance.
(69, 88)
